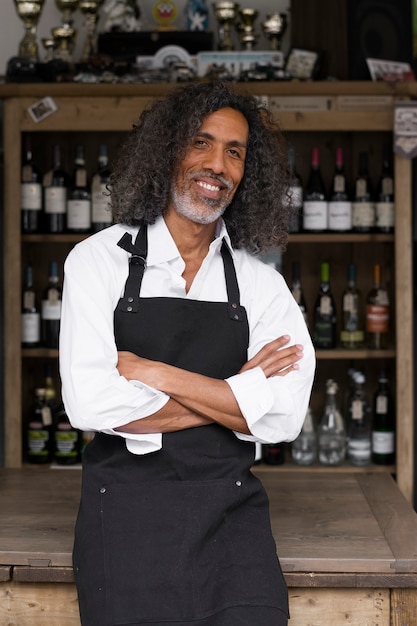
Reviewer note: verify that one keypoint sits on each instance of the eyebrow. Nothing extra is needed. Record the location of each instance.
(233, 142)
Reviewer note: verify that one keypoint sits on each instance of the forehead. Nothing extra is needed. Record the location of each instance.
(226, 122)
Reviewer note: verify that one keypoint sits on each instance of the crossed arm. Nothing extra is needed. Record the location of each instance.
(197, 400)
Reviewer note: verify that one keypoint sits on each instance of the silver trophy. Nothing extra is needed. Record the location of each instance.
(246, 29)
(226, 14)
(29, 12)
(274, 27)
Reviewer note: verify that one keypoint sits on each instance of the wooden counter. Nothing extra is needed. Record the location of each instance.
(347, 545)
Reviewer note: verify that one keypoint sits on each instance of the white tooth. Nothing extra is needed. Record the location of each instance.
(210, 187)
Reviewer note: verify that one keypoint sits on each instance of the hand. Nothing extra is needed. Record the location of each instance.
(276, 360)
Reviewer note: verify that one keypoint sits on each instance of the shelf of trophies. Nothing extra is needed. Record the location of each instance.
(93, 114)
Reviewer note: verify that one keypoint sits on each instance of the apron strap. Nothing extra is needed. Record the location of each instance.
(129, 303)
(235, 310)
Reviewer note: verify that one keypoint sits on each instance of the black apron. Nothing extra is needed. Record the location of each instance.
(182, 535)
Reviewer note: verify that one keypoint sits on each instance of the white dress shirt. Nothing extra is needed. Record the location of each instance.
(97, 398)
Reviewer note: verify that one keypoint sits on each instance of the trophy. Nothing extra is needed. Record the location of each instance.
(90, 8)
(29, 12)
(274, 27)
(64, 34)
(226, 13)
(247, 35)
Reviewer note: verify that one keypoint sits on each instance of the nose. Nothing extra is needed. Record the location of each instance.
(215, 160)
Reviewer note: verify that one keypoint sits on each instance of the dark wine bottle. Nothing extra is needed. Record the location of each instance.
(377, 314)
(297, 290)
(30, 191)
(363, 205)
(31, 317)
(295, 193)
(315, 198)
(100, 188)
(352, 334)
(39, 431)
(340, 206)
(79, 198)
(67, 439)
(55, 184)
(383, 424)
(51, 309)
(324, 331)
(385, 204)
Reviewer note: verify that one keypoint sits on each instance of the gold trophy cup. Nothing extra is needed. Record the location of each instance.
(246, 30)
(90, 9)
(274, 27)
(29, 12)
(226, 13)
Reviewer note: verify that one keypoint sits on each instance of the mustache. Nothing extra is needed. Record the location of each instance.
(210, 174)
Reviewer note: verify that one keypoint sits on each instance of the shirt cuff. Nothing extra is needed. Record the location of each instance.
(252, 394)
(138, 444)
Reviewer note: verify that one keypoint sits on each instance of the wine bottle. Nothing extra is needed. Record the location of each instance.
(324, 330)
(67, 440)
(304, 448)
(55, 184)
(359, 427)
(100, 188)
(295, 193)
(30, 191)
(340, 206)
(51, 309)
(296, 289)
(31, 318)
(363, 205)
(352, 334)
(383, 424)
(39, 431)
(384, 207)
(377, 314)
(315, 198)
(331, 432)
(79, 197)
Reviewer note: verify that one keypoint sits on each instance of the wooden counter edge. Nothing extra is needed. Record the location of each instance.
(5, 573)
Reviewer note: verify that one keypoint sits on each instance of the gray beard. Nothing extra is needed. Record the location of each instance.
(200, 215)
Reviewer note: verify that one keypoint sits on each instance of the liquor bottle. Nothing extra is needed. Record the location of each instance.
(352, 334)
(295, 193)
(340, 206)
(359, 427)
(30, 191)
(79, 197)
(304, 448)
(296, 289)
(363, 205)
(39, 430)
(377, 314)
(51, 309)
(67, 440)
(273, 453)
(324, 325)
(101, 216)
(315, 198)
(331, 432)
(384, 207)
(31, 318)
(51, 395)
(55, 184)
(383, 424)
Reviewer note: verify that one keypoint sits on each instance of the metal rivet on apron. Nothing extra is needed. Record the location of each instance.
(234, 305)
(103, 490)
(238, 483)
(130, 299)
(236, 317)
(129, 308)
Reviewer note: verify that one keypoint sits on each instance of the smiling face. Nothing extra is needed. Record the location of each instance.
(213, 166)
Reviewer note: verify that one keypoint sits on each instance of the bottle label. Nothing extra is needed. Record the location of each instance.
(315, 215)
(350, 303)
(377, 318)
(51, 310)
(66, 442)
(31, 328)
(340, 215)
(78, 214)
(384, 214)
(381, 405)
(357, 409)
(31, 196)
(383, 442)
(339, 183)
(352, 336)
(55, 200)
(81, 178)
(101, 211)
(325, 305)
(38, 443)
(363, 214)
(387, 186)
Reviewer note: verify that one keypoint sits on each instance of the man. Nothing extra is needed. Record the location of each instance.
(181, 349)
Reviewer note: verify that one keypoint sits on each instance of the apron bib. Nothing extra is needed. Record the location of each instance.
(181, 535)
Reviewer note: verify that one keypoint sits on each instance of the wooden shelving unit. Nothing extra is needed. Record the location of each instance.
(349, 112)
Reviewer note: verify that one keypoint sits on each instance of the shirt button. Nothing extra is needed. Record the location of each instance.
(238, 483)
(103, 490)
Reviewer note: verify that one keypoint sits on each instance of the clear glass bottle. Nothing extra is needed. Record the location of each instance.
(79, 197)
(315, 198)
(324, 328)
(101, 214)
(377, 314)
(304, 448)
(331, 432)
(55, 183)
(363, 204)
(340, 205)
(295, 193)
(385, 202)
(383, 424)
(359, 423)
(297, 290)
(352, 334)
